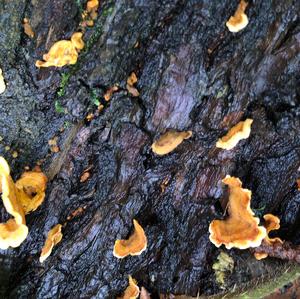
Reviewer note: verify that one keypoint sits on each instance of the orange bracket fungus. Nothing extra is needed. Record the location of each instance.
(63, 52)
(135, 245)
(236, 133)
(132, 291)
(2, 82)
(14, 231)
(31, 190)
(271, 223)
(239, 20)
(19, 199)
(54, 237)
(169, 141)
(240, 229)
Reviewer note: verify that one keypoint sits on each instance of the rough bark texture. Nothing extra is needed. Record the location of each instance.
(193, 75)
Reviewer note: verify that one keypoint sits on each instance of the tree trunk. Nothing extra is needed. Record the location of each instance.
(193, 74)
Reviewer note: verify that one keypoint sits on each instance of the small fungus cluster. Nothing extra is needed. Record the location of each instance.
(2, 82)
(19, 198)
(90, 14)
(239, 20)
(63, 52)
(169, 141)
(235, 134)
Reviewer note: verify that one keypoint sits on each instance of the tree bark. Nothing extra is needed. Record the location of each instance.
(193, 74)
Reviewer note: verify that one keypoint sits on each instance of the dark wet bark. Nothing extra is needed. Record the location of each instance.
(193, 75)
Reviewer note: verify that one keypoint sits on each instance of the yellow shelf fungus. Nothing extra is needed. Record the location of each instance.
(135, 245)
(132, 291)
(240, 229)
(63, 52)
(14, 231)
(271, 223)
(238, 132)
(169, 141)
(19, 199)
(239, 20)
(31, 188)
(54, 237)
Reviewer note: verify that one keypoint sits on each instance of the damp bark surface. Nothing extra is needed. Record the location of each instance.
(193, 74)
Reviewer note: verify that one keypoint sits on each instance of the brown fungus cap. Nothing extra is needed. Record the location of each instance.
(235, 134)
(54, 237)
(271, 223)
(240, 229)
(167, 142)
(239, 20)
(135, 244)
(14, 231)
(27, 28)
(132, 291)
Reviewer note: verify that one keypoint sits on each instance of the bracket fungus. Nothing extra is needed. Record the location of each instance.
(235, 134)
(240, 229)
(14, 231)
(31, 188)
(135, 245)
(132, 291)
(2, 82)
(63, 52)
(169, 141)
(271, 223)
(54, 237)
(239, 20)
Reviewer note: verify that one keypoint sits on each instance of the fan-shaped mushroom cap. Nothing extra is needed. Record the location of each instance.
(31, 190)
(240, 229)
(271, 223)
(239, 20)
(14, 231)
(135, 244)
(132, 291)
(54, 236)
(169, 141)
(235, 134)
(77, 41)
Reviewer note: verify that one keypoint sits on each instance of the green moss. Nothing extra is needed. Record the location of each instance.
(94, 98)
(63, 84)
(265, 289)
(58, 107)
